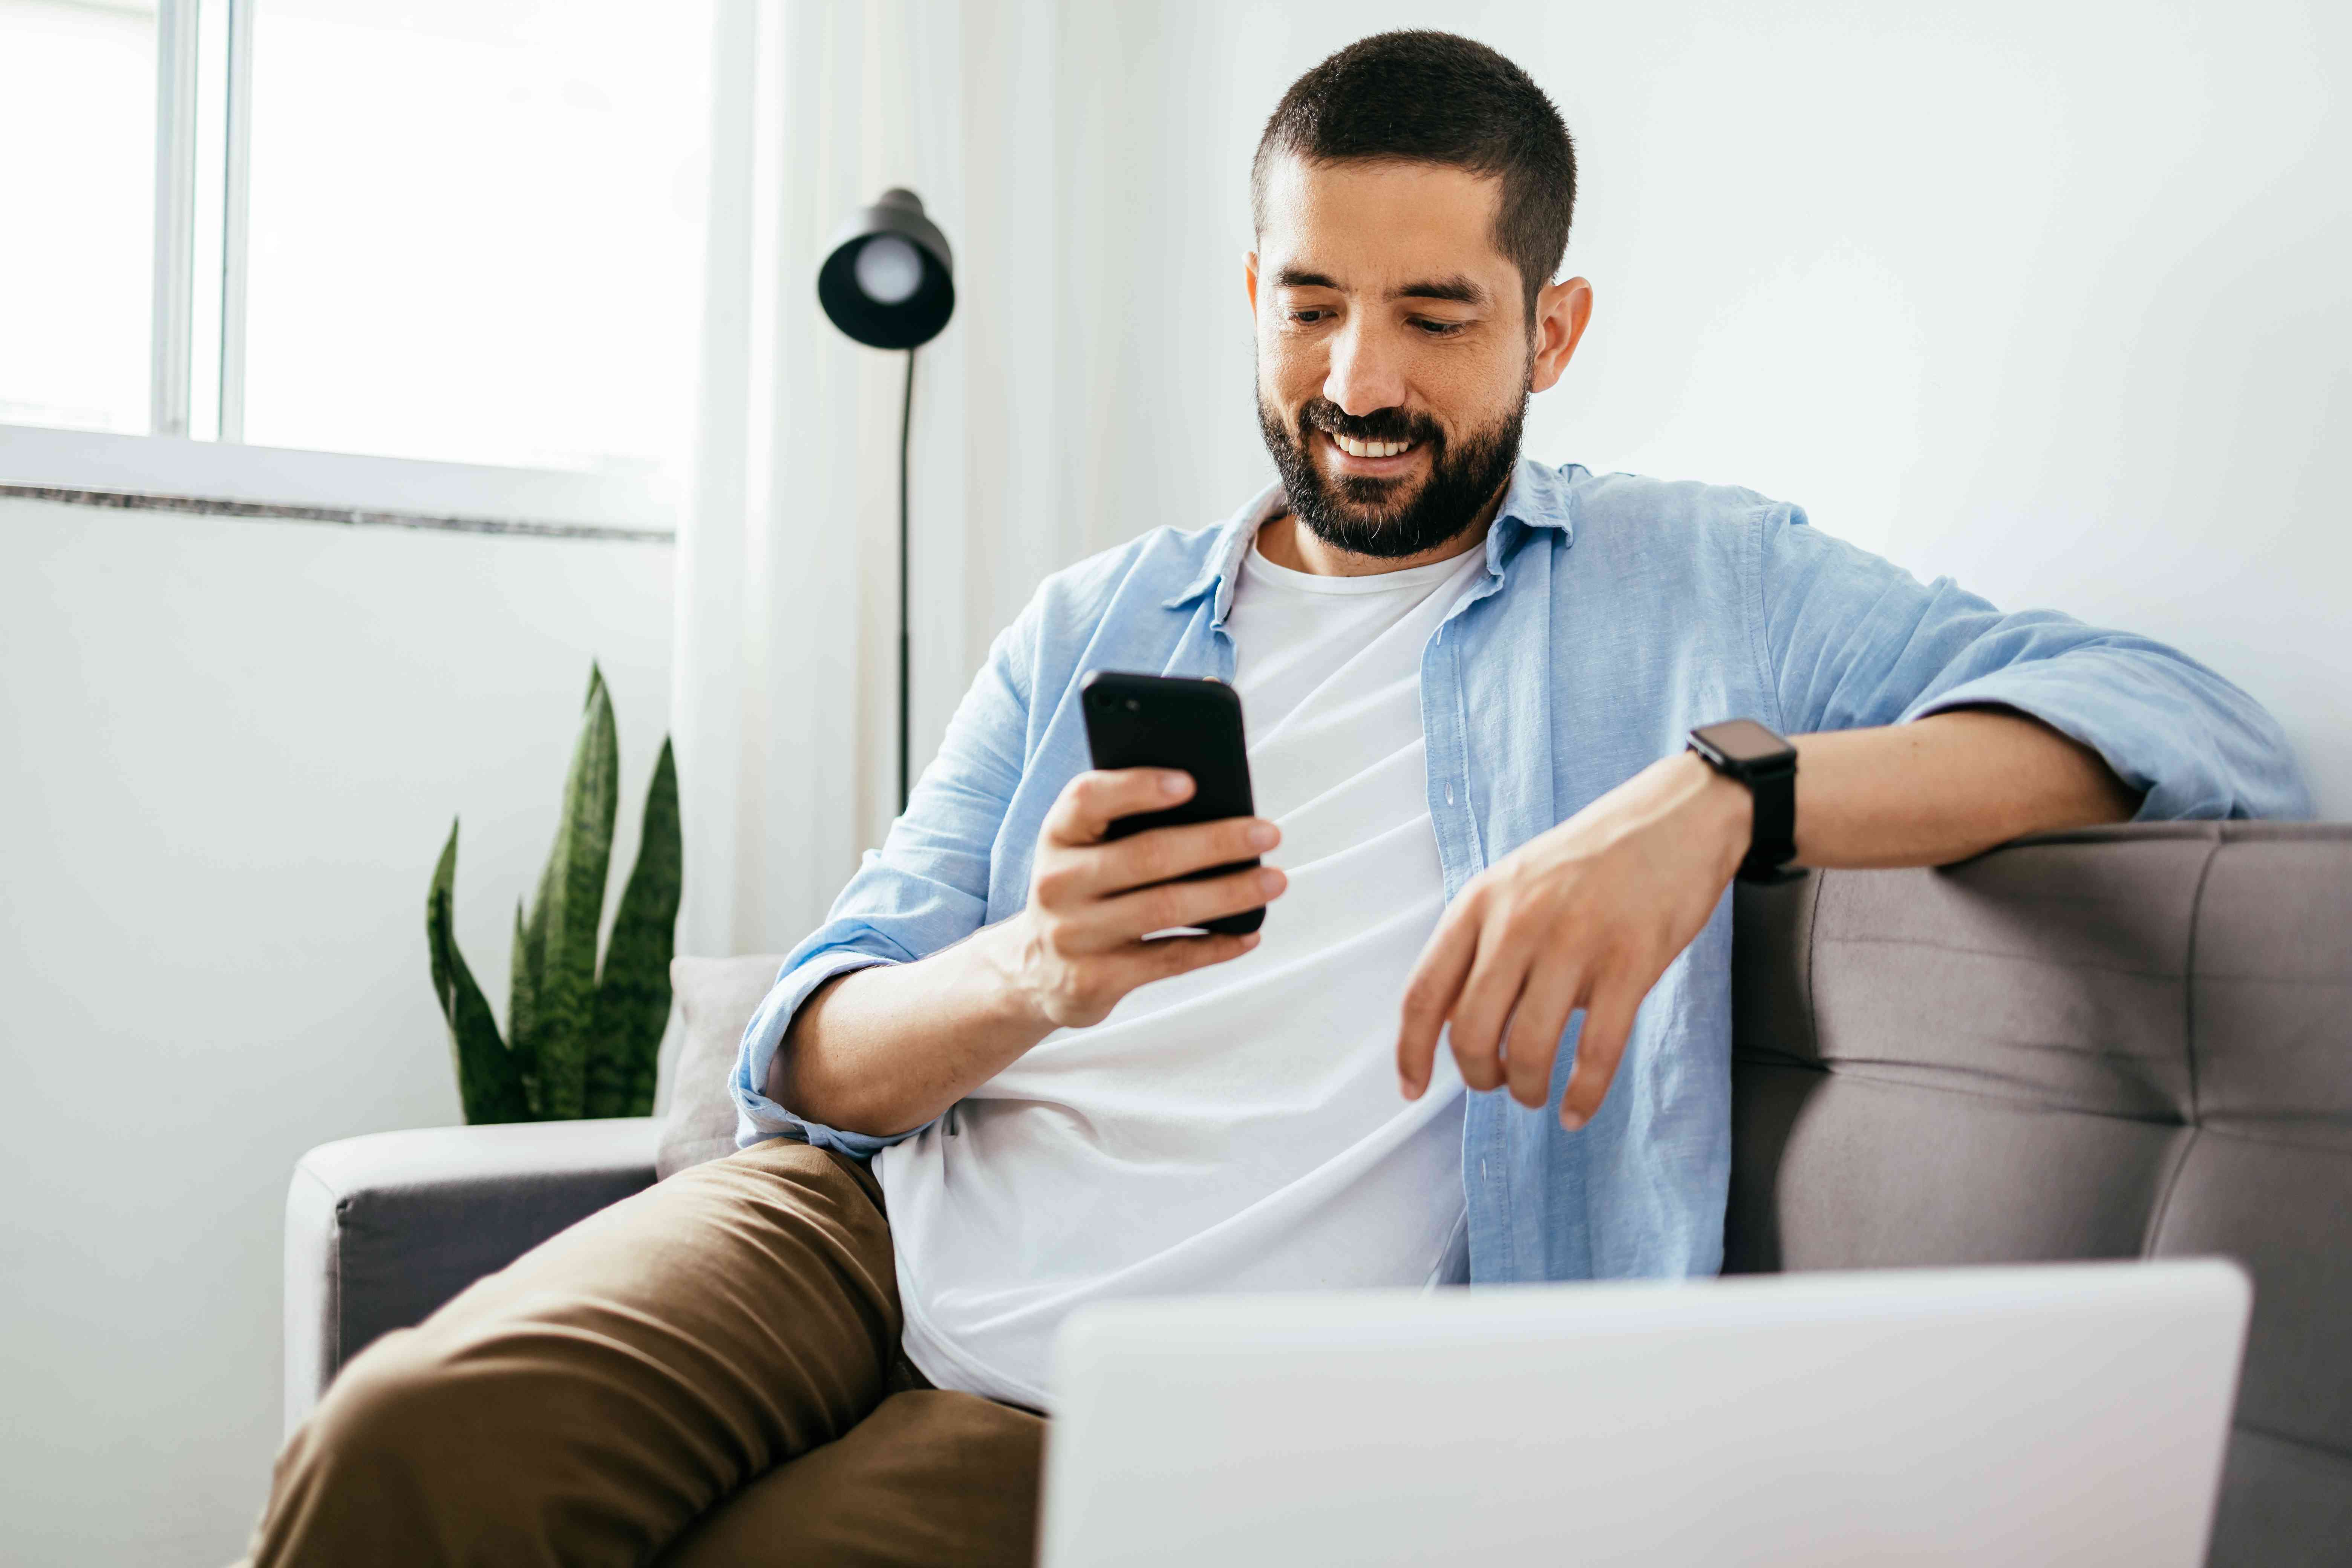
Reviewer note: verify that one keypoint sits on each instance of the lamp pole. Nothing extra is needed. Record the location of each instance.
(906, 662)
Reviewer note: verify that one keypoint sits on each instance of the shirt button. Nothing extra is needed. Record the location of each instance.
(1449, 794)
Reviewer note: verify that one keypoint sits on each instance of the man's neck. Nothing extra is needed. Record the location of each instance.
(1285, 540)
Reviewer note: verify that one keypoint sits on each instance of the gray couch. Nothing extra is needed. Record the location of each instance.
(2132, 1042)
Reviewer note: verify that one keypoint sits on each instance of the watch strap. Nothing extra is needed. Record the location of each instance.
(1772, 841)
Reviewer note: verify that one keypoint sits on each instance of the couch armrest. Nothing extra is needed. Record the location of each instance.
(382, 1230)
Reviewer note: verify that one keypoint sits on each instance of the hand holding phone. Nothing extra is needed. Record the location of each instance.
(1159, 837)
(1077, 946)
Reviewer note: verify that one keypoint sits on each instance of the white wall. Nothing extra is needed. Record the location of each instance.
(232, 751)
(2055, 299)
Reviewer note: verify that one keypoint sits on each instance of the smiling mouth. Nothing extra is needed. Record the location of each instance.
(1368, 449)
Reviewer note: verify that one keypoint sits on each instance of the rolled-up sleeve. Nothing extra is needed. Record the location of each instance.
(1853, 640)
(758, 1117)
(926, 889)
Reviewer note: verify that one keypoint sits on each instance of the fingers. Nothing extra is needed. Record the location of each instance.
(1091, 803)
(1429, 996)
(1483, 1009)
(1536, 1027)
(1503, 1003)
(1608, 1021)
(1168, 852)
(1170, 905)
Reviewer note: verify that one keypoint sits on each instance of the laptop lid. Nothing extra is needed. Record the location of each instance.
(2047, 1413)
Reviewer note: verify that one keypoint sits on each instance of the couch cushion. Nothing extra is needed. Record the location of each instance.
(2273, 1004)
(1866, 1174)
(716, 998)
(2121, 1042)
(1988, 1063)
(2283, 1505)
(2269, 1178)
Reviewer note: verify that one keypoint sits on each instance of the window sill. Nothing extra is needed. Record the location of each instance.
(168, 473)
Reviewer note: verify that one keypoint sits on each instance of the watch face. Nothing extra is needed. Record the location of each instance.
(1744, 740)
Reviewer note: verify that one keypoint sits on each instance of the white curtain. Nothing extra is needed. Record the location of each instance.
(785, 668)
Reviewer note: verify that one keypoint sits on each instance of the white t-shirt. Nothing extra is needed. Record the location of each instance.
(1237, 1127)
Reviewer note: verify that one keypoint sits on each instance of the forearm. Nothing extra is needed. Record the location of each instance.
(1944, 788)
(884, 1050)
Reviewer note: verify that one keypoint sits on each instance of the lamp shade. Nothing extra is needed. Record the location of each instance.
(889, 281)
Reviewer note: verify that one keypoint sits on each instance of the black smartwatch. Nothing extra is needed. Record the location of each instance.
(1765, 762)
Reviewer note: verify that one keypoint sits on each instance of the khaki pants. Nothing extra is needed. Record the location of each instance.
(706, 1373)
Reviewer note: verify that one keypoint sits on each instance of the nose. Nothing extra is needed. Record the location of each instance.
(1364, 374)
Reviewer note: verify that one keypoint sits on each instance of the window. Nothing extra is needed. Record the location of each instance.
(446, 231)
(77, 184)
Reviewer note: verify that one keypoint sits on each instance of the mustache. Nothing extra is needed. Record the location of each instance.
(1380, 425)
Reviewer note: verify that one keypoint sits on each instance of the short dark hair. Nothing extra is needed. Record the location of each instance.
(1435, 98)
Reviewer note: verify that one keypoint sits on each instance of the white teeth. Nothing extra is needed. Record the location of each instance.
(1356, 448)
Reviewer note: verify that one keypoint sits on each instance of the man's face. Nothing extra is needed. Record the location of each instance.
(1394, 354)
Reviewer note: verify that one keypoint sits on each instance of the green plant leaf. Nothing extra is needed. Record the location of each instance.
(633, 994)
(569, 908)
(524, 984)
(523, 1002)
(490, 1078)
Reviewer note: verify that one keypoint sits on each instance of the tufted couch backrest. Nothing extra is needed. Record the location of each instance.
(2126, 1042)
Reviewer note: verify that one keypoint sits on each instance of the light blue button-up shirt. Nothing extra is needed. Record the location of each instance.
(1616, 613)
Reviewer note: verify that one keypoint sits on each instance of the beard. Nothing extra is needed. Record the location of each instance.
(1382, 517)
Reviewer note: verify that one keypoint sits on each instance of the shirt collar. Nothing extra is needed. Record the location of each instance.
(1538, 499)
(1223, 565)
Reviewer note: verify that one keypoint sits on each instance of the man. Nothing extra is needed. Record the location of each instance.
(1484, 1031)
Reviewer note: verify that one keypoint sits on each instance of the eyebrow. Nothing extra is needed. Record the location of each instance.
(1458, 290)
(1291, 277)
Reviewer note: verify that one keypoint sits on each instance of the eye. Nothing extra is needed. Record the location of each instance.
(1308, 315)
(1439, 328)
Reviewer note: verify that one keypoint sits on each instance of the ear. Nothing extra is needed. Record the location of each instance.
(1249, 265)
(1562, 311)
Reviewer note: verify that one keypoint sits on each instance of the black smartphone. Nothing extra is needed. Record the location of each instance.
(1194, 726)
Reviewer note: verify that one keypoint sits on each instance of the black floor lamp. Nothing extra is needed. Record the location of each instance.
(890, 283)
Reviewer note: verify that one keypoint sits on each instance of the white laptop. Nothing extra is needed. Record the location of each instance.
(2047, 1413)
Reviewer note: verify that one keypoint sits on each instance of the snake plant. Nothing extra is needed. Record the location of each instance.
(579, 1042)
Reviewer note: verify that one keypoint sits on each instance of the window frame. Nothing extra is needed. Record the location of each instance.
(174, 473)
(206, 45)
